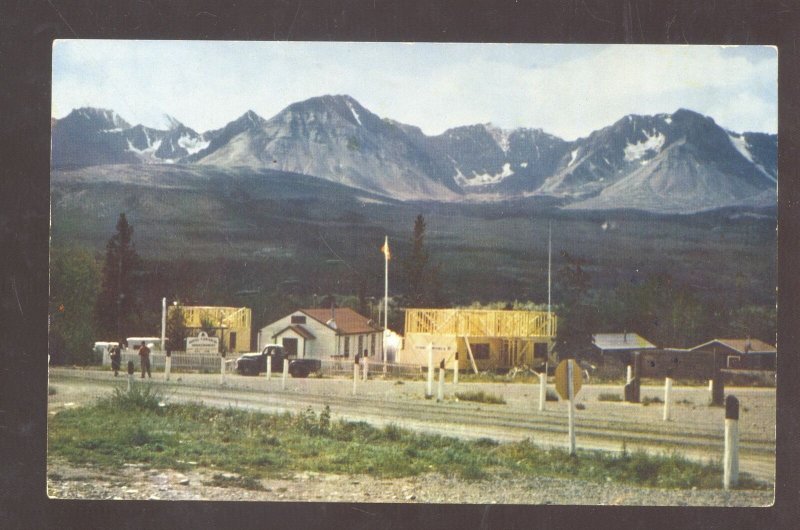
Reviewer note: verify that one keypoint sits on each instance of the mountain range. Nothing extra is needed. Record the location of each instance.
(668, 163)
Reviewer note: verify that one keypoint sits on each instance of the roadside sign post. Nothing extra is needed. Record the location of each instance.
(542, 389)
(269, 367)
(355, 377)
(730, 472)
(440, 390)
(568, 384)
(285, 373)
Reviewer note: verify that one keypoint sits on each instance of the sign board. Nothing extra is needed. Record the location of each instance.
(202, 344)
(677, 364)
(562, 382)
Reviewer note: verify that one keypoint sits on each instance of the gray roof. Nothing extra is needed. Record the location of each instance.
(621, 341)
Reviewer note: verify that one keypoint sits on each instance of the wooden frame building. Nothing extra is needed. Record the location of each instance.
(480, 339)
(231, 324)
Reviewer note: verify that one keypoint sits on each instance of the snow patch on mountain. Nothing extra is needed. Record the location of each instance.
(639, 149)
(500, 136)
(149, 150)
(192, 145)
(481, 179)
(572, 156)
(355, 113)
(740, 143)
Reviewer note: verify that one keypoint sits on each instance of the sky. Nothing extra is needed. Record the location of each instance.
(567, 90)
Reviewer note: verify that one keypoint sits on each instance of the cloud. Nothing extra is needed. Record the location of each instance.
(568, 90)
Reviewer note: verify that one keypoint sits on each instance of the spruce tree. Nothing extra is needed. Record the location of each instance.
(423, 284)
(117, 301)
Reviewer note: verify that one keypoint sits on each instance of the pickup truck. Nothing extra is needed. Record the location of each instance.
(256, 363)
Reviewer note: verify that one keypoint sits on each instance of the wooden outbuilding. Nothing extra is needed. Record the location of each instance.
(744, 354)
(480, 339)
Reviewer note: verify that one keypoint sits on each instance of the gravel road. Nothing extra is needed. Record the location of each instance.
(603, 425)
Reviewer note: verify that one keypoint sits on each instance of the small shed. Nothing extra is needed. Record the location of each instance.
(743, 354)
(324, 334)
(619, 346)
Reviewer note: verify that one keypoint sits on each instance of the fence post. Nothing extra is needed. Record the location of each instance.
(667, 397)
(366, 367)
(429, 387)
(269, 367)
(628, 374)
(285, 373)
(130, 374)
(222, 370)
(730, 474)
(167, 365)
(718, 388)
(455, 370)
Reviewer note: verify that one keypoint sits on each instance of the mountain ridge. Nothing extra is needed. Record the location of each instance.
(679, 162)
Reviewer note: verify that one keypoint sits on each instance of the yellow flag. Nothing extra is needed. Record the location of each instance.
(385, 249)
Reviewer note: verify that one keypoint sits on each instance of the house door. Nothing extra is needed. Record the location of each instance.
(290, 345)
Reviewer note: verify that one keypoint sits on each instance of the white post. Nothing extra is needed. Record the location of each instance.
(429, 387)
(222, 370)
(628, 374)
(571, 415)
(542, 390)
(455, 370)
(667, 397)
(285, 373)
(269, 367)
(711, 387)
(440, 390)
(365, 371)
(163, 324)
(355, 377)
(167, 367)
(730, 474)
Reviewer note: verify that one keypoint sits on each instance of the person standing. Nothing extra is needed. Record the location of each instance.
(144, 355)
(116, 358)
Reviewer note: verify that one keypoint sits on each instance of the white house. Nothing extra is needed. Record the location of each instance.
(324, 334)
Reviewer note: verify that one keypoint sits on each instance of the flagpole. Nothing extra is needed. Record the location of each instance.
(385, 294)
(549, 269)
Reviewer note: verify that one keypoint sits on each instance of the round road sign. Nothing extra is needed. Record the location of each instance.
(561, 378)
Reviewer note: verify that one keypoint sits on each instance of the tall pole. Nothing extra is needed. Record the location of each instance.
(163, 323)
(385, 293)
(549, 274)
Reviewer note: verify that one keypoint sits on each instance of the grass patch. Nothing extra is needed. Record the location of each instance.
(481, 397)
(245, 446)
(609, 396)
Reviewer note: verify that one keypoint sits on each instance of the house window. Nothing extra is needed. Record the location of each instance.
(347, 346)
(298, 319)
(480, 351)
(361, 343)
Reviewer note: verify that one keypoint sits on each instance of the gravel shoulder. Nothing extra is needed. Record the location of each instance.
(136, 482)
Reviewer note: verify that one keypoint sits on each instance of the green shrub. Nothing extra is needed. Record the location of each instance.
(480, 397)
(141, 397)
(648, 400)
(608, 396)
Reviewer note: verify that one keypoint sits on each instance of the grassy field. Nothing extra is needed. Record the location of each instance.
(140, 427)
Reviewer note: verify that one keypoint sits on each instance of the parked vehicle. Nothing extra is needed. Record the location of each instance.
(256, 363)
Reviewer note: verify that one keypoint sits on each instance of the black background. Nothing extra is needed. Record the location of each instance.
(27, 29)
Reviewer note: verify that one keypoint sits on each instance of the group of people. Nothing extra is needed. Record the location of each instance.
(144, 358)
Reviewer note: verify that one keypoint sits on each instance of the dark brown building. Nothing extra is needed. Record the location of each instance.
(744, 354)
